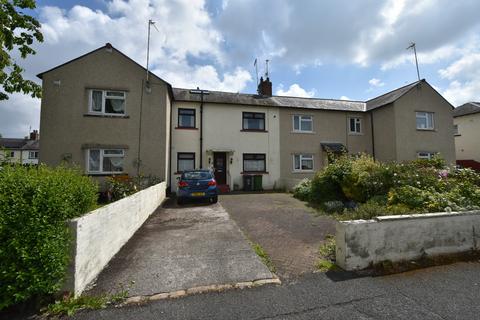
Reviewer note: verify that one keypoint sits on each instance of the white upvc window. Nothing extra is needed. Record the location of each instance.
(424, 120)
(425, 155)
(108, 102)
(355, 125)
(302, 123)
(455, 130)
(33, 155)
(105, 161)
(303, 162)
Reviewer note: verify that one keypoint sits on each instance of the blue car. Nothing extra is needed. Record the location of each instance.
(197, 184)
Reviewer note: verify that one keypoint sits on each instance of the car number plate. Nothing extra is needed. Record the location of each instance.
(198, 194)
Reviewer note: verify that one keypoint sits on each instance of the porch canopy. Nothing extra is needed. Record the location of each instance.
(334, 147)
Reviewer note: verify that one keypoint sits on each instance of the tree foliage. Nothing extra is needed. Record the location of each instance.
(18, 31)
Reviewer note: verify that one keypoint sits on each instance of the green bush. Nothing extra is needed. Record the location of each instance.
(119, 187)
(35, 203)
(303, 189)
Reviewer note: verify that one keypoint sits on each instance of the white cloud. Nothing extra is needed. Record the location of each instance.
(18, 115)
(295, 91)
(185, 32)
(376, 82)
(344, 98)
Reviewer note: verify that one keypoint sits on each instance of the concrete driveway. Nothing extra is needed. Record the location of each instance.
(285, 227)
(180, 248)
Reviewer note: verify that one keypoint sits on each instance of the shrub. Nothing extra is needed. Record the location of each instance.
(303, 190)
(34, 239)
(122, 186)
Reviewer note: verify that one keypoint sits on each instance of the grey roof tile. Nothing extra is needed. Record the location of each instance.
(466, 109)
(274, 101)
(390, 97)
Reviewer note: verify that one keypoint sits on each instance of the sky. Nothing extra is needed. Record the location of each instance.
(339, 49)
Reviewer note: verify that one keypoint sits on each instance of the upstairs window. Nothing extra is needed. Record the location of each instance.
(186, 118)
(302, 123)
(254, 162)
(33, 155)
(455, 130)
(302, 162)
(254, 121)
(106, 161)
(424, 120)
(107, 102)
(355, 125)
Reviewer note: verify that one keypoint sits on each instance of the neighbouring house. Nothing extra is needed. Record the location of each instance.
(466, 119)
(22, 151)
(101, 112)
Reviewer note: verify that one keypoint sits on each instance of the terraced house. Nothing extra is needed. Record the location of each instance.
(103, 112)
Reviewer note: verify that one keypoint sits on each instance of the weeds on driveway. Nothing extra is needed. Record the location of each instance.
(326, 262)
(264, 256)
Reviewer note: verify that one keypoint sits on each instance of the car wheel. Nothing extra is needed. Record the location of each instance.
(214, 199)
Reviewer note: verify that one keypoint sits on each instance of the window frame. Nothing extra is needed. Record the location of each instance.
(425, 116)
(253, 117)
(12, 154)
(194, 118)
(185, 153)
(429, 157)
(101, 157)
(307, 156)
(456, 131)
(300, 120)
(255, 154)
(104, 98)
(357, 121)
(30, 154)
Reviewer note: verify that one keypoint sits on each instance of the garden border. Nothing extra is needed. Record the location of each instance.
(100, 234)
(362, 243)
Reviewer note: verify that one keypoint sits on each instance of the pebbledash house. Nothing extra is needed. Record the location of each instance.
(101, 112)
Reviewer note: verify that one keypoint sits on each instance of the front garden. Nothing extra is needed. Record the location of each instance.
(357, 187)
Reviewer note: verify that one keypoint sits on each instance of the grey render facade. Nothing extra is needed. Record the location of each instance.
(99, 112)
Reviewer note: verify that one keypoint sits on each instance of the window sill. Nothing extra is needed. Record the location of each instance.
(252, 130)
(186, 128)
(355, 133)
(303, 132)
(254, 172)
(105, 116)
(418, 129)
(105, 174)
(303, 171)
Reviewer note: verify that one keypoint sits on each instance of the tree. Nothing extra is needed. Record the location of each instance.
(18, 31)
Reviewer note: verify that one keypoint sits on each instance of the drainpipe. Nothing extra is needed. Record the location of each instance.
(201, 129)
(373, 135)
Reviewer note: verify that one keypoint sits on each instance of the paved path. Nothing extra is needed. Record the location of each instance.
(283, 226)
(180, 248)
(448, 292)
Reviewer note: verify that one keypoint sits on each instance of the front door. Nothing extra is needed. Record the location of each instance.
(220, 165)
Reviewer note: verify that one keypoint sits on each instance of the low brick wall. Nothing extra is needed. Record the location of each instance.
(361, 243)
(100, 234)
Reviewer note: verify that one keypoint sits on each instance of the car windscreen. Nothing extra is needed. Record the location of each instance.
(197, 175)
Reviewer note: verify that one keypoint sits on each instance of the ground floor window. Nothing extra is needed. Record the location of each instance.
(254, 162)
(33, 155)
(108, 161)
(185, 161)
(302, 162)
(425, 155)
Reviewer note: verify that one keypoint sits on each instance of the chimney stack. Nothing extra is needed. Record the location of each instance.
(34, 135)
(265, 87)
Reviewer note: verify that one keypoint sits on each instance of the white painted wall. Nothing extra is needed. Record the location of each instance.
(466, 142)
(360, 243)
(100, 234)
(20, 156)
(222, 125)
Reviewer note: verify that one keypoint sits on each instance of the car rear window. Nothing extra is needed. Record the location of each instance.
(197, 175)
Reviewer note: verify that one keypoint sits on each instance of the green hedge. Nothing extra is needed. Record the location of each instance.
(35, 204)
(375, 188)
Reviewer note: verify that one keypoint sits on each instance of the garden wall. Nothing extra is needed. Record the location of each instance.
(360, 243)
(100, 234)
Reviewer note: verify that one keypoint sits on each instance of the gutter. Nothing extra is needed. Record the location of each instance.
(201, 130)
(373, 135)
